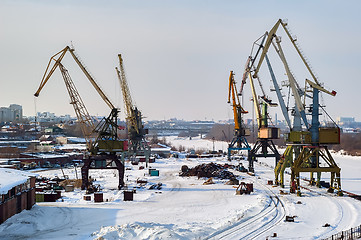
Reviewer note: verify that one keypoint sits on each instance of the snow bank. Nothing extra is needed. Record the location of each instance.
(138, 230)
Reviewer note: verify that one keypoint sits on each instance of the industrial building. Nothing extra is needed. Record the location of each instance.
(17, 192)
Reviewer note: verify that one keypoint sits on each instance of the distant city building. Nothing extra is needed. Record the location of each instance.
(12, 113)
(175, 127)
(345, 120)
(51, 117)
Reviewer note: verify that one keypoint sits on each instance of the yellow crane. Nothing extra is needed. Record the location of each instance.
(136, 132)
(239, 141)
(102, 140)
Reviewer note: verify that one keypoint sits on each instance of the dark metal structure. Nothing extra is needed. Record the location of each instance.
(104, 147)
(239, 141)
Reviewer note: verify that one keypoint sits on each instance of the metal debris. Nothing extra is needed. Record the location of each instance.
(208, 170)
(156, 186)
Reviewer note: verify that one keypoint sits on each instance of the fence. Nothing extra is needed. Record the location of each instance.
(353, 233)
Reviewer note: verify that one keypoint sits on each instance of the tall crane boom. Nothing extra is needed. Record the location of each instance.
(279, 94)
(271, 35)
(57, 58)
(264, 145)
(128, 103)
(136, 132)
(237, 108)
(293, 83)
(86, 123)
(255, 100)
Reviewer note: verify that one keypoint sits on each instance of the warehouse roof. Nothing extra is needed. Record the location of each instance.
(10, 178)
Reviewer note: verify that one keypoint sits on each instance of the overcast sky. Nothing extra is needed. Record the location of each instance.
(177, 54)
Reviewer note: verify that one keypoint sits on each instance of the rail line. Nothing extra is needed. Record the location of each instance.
(253, 226)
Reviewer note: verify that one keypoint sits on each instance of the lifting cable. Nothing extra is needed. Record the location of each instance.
(328, 115)
(35, 113)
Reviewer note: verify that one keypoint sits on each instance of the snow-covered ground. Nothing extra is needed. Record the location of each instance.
(197, 143)
(186, 209)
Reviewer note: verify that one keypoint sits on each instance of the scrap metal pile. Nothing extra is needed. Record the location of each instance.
(208, 170)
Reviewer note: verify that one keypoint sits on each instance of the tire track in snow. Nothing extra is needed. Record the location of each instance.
(346, 212)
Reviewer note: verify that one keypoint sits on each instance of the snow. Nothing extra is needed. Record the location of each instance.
(350, 172)
(186, 209)
(10, 178)
(197, 143)
(79, 147)
(76, 140)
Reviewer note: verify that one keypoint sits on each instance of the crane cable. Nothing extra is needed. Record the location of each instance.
(35, 113)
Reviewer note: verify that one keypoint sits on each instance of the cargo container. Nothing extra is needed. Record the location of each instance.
(69, 188)
(154, 173)
(87, 198)
(39, 197)
(50, 197)
(128, 195)
(98, 197)
(58, 194)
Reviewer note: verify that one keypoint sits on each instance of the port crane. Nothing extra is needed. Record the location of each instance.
(309, 160)
(104, 147)
(305, 147)
(264, 145)
(136, 131)
(239, 141)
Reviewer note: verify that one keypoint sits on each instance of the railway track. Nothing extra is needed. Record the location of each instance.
(260, 223)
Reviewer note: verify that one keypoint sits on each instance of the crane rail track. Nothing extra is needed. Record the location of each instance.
(253, 226)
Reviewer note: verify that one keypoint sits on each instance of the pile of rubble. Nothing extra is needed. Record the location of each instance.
(208, 170)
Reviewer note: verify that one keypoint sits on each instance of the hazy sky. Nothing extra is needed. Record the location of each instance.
(177, 54)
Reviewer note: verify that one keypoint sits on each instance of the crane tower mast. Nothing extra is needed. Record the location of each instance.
(136, 132)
